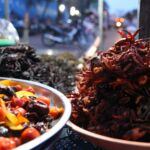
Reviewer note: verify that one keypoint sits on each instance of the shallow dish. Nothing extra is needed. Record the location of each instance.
(57, 99)
(108, 142)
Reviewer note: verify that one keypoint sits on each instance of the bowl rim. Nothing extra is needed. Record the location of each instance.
(57, 127)
(106, 138)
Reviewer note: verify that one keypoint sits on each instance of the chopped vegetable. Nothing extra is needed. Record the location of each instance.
(23, 114)
(7, 82)
(56, 112)
(29, 134)
(23, 93)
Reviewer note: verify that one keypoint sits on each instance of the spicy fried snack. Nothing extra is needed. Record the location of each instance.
(113, 97)
(23, 114)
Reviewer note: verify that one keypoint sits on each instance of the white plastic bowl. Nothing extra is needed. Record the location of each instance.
(108, 142)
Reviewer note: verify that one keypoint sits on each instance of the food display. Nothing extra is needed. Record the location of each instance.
(21, 61)
(113, 91)
(57, 72)
(24, 114)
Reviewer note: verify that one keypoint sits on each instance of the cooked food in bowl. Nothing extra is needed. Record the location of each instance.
(25, 113)
(114, 90)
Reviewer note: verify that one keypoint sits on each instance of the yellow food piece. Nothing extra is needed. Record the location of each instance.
(55, 111)
(2, 95)
(7, 82)
(22, 119)
(14, 122)
(23, 93)
(12, 118)
(14, 127)
(18, 127)
(2, 104)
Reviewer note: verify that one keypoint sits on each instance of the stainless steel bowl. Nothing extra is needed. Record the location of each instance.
(108, 142)
(57, 99)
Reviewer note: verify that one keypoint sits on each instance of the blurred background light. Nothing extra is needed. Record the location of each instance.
(72, 11)
(77, 12)
(118, 24)
(50, 52)
(62, 7)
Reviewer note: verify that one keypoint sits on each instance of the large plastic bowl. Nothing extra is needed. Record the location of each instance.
(107, 142)
(57, 99)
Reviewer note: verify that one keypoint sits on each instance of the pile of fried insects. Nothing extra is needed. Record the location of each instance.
(113, 96)
(21, 61)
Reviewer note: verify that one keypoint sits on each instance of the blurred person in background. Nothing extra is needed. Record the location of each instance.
(90, 26)
(131, 21)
